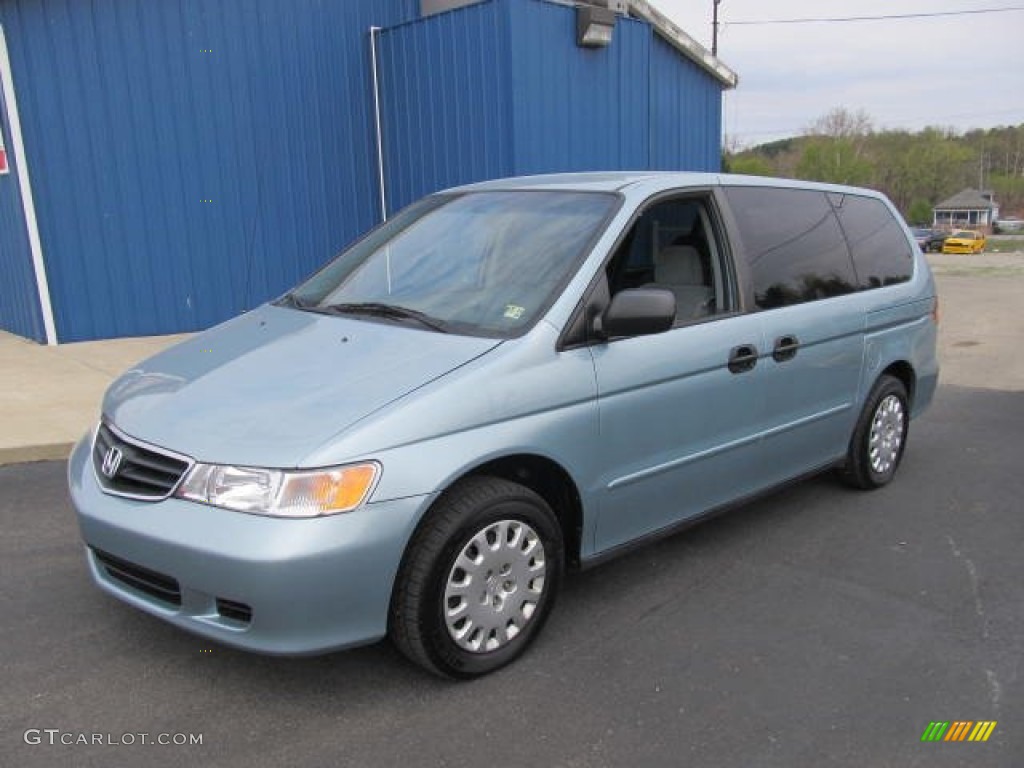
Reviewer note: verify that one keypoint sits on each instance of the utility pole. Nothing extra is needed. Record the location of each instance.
(714, 29)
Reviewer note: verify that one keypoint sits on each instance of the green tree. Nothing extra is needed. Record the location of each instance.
(914, 169)
(1009, 192)
(842, 123)
(833, 160)
(751, 165)
(920, 212)
(928, 166)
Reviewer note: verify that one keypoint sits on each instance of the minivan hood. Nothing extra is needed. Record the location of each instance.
(266, 388)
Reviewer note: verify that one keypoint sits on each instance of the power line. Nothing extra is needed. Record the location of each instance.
(889, 17)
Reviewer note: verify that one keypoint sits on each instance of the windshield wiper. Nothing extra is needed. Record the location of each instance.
(389, 311)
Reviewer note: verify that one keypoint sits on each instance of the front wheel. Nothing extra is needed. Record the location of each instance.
(478, 580)
(880, 436)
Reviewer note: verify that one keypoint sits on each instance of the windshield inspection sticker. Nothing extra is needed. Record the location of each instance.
(514, 311)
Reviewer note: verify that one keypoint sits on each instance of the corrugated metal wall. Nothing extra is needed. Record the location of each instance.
(577, 108)
(19, 303)
(192, 158)
(445, 101)
(501, 88)
(686, 113)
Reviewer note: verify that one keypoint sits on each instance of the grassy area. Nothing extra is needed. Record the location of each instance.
(978, 271)
(1004, 244)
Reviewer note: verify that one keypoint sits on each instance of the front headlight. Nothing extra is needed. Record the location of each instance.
(280, 493)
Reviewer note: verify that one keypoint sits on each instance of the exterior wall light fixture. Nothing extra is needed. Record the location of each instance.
(594, 26)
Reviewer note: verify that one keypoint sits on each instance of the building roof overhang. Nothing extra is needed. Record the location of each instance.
(684, 43)
(967, 200)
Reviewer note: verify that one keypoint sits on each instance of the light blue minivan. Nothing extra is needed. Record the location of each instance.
(502, 382)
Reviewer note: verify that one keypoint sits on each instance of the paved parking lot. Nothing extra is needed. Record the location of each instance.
(982, 323)
(817, 627)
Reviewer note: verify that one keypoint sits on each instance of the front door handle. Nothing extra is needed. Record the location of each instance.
(785, 348)
(742, 358)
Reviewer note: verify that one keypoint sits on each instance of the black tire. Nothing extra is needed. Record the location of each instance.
(880, 436)
(517, 541)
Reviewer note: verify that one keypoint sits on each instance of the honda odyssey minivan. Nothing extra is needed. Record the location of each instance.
(502, 382)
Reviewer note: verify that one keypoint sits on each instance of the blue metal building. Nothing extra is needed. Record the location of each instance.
(171, 164)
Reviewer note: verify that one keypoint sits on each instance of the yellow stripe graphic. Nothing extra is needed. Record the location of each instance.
(983, 730)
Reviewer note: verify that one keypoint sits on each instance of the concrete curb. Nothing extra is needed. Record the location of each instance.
(29, 453)
(50, 396)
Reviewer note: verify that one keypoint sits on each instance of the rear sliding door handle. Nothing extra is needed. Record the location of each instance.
(742, 358)
(785, 348)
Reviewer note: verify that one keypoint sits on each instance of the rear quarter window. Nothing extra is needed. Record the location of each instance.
(793, 245)
(880, 249)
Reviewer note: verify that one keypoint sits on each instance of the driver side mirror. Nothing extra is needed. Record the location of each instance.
(637, 312)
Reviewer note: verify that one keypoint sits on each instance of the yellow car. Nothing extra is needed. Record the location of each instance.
(964, 241)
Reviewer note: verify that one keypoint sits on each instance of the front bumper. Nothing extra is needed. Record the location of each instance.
(263, 584)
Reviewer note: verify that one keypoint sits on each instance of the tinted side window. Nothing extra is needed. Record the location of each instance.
(793, 245)
(881, 253)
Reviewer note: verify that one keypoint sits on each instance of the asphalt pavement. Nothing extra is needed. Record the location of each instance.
(818, 627)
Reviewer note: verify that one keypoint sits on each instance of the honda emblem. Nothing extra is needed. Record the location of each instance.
(111, 462)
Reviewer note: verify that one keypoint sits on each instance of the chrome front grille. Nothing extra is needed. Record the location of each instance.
(127, 467)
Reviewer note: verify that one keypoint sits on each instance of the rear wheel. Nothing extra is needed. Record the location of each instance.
(478, 580)
(880, 436)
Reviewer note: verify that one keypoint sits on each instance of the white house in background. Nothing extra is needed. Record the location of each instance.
(971, 208)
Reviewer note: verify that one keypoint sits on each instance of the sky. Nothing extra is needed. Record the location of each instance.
(961, 71)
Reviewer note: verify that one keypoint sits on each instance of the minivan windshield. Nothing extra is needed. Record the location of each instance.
(478, 263)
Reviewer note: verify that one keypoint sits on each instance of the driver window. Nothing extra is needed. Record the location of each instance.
(671, 246)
